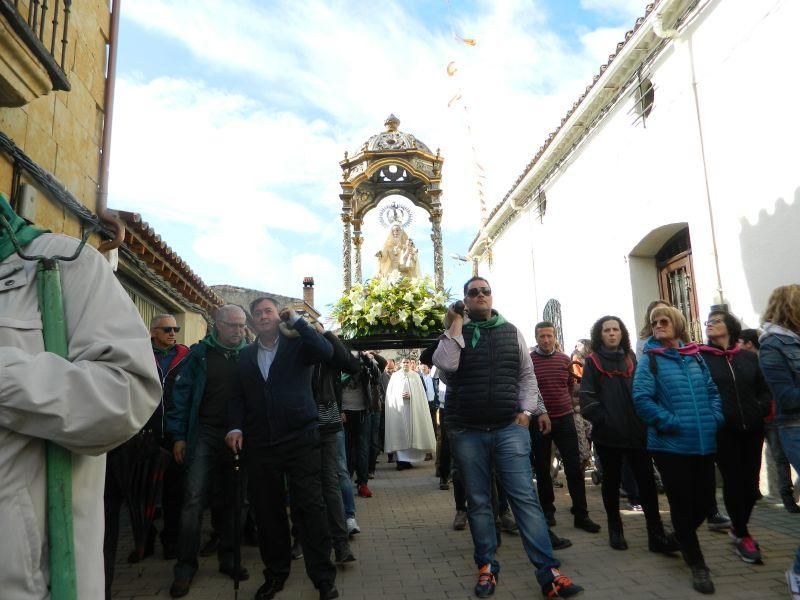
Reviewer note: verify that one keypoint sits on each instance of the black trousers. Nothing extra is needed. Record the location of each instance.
(298, 460)
(641, 464)
(739, 460)
(171, 502)
(447, 466)
(565, 437)
(689, 483)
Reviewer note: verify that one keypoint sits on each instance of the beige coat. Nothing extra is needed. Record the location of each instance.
(89, 404)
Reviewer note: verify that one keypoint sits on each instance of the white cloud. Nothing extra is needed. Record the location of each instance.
(626, 9)
(317, 79)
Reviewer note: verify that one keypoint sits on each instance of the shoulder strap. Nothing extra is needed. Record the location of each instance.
(653, 364)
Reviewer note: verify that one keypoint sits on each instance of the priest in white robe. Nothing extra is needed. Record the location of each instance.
(409, 432)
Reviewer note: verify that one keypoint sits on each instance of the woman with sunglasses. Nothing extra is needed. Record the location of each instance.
(745, 402)
(780, 362)
(676, 398)
(617, 432)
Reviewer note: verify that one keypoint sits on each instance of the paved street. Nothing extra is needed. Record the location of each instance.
(408, 551)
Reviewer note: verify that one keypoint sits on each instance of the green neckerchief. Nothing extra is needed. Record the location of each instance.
(163, 351)
(24, 233)
(496, 320)
(212, 342)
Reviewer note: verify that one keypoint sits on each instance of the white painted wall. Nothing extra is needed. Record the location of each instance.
(625, 181)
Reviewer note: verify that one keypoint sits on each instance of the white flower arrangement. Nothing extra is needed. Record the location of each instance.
(396, 305)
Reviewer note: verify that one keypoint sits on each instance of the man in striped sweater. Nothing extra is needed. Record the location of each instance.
(556, 384)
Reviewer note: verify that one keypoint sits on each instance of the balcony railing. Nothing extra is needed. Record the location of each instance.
(43, 25)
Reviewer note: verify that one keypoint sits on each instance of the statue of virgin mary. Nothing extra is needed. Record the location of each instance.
(399, 254)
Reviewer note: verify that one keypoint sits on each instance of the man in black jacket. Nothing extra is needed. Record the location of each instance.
(274, 411)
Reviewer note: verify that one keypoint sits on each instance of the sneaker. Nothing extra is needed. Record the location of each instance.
(371, 475)
(352, 526)
(507, 522)
(719, 522)
(701, 579)
(586, 524)
(297, 550)
(364, 491)
(560, 587)
(748, 550)
(443, 484)
(487, 581)
(635, 507)
(327, 591)
(460, 521)
(344, 554)
(793, 580)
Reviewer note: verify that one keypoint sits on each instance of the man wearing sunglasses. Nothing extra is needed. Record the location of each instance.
(492, 396)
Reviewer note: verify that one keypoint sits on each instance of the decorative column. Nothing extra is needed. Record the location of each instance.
(436, 237)
(357, 241)
(346, 250)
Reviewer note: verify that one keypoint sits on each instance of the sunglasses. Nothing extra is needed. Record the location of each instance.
(170, 329)
(711, 322)
(473, 292)
(662, 322)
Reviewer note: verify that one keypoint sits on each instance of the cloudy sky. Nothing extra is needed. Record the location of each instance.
(231, 117)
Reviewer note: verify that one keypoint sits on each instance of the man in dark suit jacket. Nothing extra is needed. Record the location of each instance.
(275, 413)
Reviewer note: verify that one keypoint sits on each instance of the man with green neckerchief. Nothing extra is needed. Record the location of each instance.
(492, 398)
(196, 420)
(88, 402)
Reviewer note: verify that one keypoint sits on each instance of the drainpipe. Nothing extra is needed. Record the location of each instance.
(108, 217)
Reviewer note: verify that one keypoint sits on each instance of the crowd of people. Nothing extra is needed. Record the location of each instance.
(309, 416)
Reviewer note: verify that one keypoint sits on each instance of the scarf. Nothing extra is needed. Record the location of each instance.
(686, 349)
(212, 342)
(24, 233)
(717, 351)
(495, 321)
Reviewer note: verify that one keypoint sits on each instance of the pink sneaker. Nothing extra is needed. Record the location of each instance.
(748, 550)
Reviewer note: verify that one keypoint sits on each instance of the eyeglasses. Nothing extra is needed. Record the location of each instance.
(661, 322)
(234, 325)
(170, 329)
(711, 322)
(473, 292)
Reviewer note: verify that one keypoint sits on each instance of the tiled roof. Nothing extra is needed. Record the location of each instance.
(142, 239)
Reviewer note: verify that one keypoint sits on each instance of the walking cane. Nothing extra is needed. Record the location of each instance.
(237, 524)
(63, 576)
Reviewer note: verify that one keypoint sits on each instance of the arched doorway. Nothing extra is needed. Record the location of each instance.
(676, 279)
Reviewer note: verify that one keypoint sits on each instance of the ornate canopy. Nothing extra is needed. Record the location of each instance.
(389, 163)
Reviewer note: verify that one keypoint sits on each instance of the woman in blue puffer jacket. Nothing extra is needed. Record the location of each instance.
(676, 398)
(780, 362)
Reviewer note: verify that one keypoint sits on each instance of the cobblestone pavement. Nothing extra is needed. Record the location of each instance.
(408, 550)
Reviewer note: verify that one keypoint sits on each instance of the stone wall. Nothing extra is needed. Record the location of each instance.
(62, 131)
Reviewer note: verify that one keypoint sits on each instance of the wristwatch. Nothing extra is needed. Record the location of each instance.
(528, 414)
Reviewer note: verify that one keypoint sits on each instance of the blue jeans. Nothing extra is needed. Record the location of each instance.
(790, 440)
(507, 450)
(344, 477)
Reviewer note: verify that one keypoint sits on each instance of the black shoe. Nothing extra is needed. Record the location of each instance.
(297, 550)
(180, 587)
(558, 543)
(663, 543)
(586, 524)
(718, 522)
(327, 591)
(616, 539)
(487, 581)
(443, 485)
(701, 580)
(229, 570)
(551, 519)
(344, 555)
(268, 590)
(790, 505)
(210, 547)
